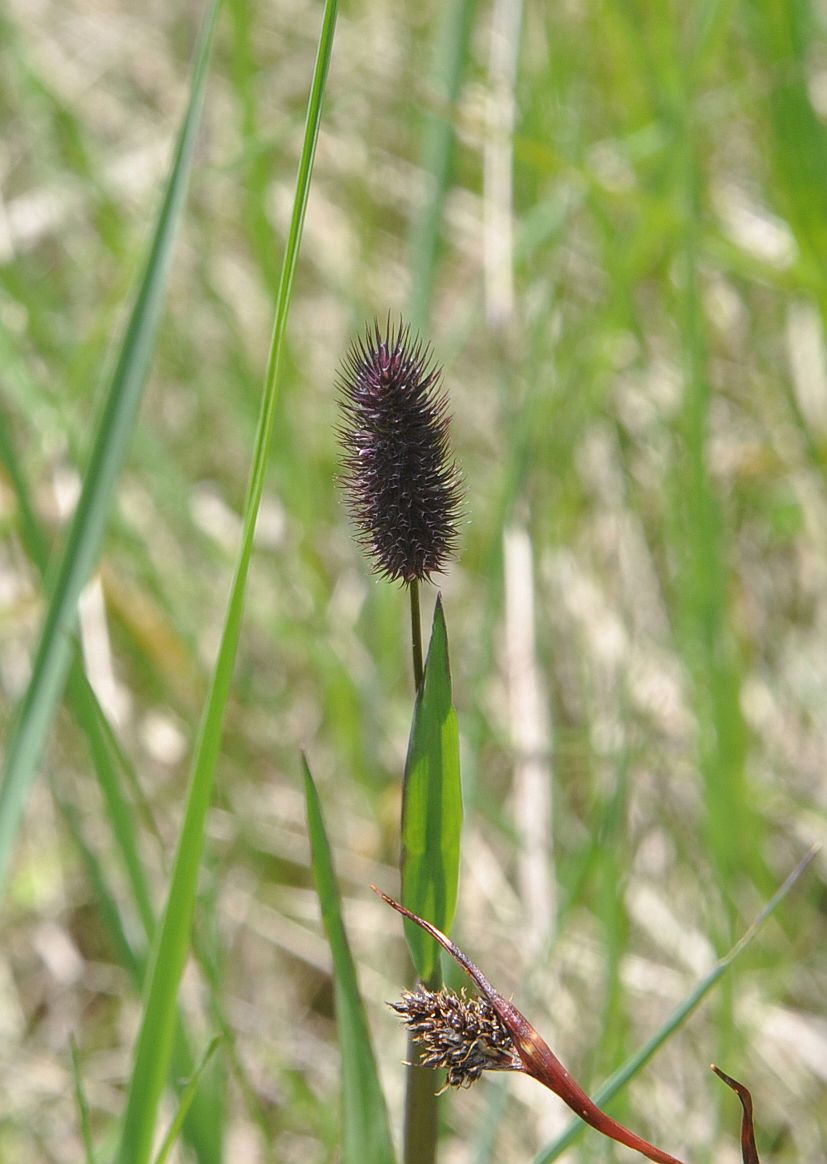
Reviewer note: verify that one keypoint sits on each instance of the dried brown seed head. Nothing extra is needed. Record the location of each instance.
(464, 1035)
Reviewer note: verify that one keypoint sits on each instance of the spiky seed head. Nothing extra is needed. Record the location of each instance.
(402, 486)
(462, 1034)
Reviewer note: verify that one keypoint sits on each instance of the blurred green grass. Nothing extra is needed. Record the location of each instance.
(638, 382)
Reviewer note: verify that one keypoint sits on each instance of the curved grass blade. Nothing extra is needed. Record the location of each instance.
(151, 1062)
(432, 805)
(637, 1061)
(366, 1135)
(85, 536)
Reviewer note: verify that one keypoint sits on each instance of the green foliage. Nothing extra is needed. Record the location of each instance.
(185, 1103)
(609, 219)
(155, 1040)
(83, 542)
(432, 805)
(365, 1131)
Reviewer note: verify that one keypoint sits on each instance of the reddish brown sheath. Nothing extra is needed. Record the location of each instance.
(538, 1060)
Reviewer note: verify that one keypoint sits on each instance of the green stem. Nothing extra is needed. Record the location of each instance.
(416, 634)
(421, 1116)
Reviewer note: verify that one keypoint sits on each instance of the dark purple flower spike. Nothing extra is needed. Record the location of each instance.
(402, 486)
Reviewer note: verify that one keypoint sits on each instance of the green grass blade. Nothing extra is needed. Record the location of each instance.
(797, 146)
(639, 1060)
(365, 1132)
(82, 699)
(37, 547)
(185, 1102)
(204, 1115)
(151, 1060)
(91, 718)
(432, 805)
(452, 52)
(707, 638)
(105, 900)
(83, 1106)
(83, 543)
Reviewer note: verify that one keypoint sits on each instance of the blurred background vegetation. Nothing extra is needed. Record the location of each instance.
(610, 217)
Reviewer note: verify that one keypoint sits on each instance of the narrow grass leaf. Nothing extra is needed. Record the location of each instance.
(202, 1128)
(109, 761)
(106, 903)
(185, 1102)
(82, 698)
(707, 638)
(83, 543)
(151, 1061)
(796, 148)
(366, 1135)
(639, 1060)
(452, 52)
(83, 1106)
(797, 145)
(432, 805)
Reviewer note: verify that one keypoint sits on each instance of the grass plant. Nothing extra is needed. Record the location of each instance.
(608, 221)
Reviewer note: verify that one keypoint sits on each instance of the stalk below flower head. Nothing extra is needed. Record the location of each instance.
(402, 485)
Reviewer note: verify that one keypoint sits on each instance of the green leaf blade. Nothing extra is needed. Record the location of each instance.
(432, 805)
(55, 649)
(155, 1038)
(185, 1103)
(366, 1135)
(202, 1126)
